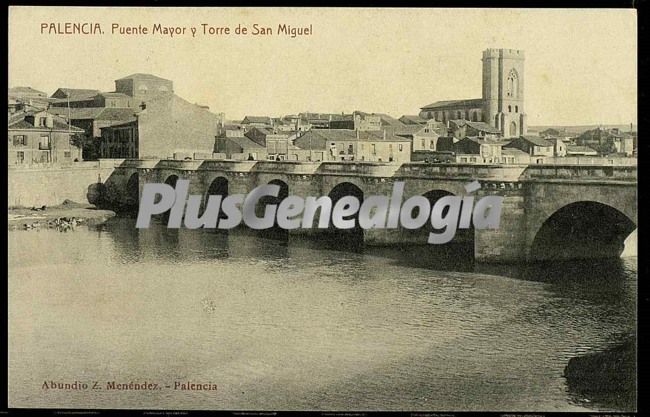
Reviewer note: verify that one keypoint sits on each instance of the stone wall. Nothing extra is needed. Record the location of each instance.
(52, 184)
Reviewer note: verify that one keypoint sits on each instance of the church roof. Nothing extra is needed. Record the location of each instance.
(474, 102)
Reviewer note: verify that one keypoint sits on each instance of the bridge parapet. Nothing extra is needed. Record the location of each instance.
(189, 165)
(286, 167)
(581, 172)
(134, 163)
(362, 169)
(227, 165)
(461, 171)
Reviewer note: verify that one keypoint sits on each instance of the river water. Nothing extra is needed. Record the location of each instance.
(288, 327)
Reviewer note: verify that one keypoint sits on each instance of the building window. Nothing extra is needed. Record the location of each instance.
(374, 149)
(432, 144)
(20, 140)
(422, 143)
(42, 121)
(516, 109)
(44, 156)
(67, 154)
(509, 109)
(44, 142)
(401, 147)
(459, 115)
(350, 149)
(20, 157)
(512, 84)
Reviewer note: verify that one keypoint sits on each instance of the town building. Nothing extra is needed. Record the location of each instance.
(280, 146)
(20, 98)
(580, 150)
(533, 145)
(502, 102)
(477, 149)
(608, 141)
(165, 126)
(239, 147)
(257, 121)
(37, 137)
(92, 120)
(461, 128)
(425, 138)
(258, 134)
(130, 92)
(74, 97)
(355, 145)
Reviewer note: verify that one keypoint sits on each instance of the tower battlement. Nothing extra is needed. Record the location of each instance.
(503, 53)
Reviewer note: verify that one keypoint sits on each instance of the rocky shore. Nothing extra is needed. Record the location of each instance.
(606, 378)
(64, 217)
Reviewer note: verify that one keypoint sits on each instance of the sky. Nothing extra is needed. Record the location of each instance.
(580, 68)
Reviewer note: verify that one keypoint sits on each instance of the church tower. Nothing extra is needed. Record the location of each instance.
(503, 91)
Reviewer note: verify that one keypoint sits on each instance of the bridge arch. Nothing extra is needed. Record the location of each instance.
(348, 238)
(218, 186)
(582, 230)
(276, 232)
(171, 180)
(132, 196)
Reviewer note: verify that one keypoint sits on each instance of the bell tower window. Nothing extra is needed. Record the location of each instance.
(512, 84)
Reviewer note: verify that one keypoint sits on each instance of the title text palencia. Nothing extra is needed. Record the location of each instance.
(171, 31)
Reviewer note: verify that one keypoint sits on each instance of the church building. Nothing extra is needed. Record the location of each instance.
(502, 102)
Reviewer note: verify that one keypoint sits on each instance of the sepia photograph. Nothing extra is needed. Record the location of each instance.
(322, 209)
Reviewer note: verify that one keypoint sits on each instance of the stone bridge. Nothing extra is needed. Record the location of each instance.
(548, 212)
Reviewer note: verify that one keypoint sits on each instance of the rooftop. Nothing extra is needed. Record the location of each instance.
(474, 102)
(142, 76)
(537, 141)
(20, 121)
(78, 93)
(94, 113)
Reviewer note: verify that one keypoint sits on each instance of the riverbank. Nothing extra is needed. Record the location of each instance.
(607, 377)
(63, 216)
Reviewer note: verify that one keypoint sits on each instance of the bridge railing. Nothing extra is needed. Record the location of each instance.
(227, 165)
(286, 167)
(185, 165)
(469, 171)
(369, 169)
(581, 172)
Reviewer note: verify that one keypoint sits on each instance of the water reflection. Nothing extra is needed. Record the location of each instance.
(296, 326)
